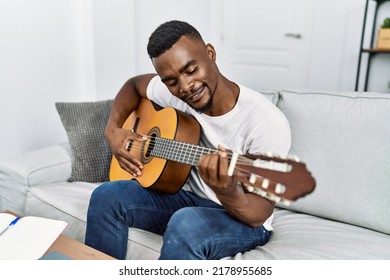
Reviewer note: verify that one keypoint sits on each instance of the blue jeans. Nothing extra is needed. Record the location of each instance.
(192, 227)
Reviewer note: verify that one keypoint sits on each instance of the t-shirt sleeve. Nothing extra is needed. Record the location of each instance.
(158, 92)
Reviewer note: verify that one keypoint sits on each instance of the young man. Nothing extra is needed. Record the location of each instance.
(211, 217)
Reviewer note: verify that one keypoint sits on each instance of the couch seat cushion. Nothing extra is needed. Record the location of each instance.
(298, 236)
(70, 198)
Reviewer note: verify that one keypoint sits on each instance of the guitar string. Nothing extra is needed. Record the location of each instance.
(199, 151)
(257, 182)
(241, 160)
(196, 151)
(238, 171)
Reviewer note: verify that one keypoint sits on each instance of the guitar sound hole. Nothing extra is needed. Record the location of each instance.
(147, 154)
(150, 148)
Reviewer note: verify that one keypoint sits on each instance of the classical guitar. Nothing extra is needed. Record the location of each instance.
(172, 149)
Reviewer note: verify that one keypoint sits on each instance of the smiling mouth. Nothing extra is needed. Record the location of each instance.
(198, 93)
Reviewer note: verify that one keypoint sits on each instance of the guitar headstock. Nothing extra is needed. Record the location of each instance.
(280, 179)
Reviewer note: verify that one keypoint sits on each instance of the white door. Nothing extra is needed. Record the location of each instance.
(263, 42)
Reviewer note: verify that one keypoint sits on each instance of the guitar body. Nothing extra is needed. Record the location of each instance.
(158, 174)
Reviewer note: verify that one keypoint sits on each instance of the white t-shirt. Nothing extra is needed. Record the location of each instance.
(254, 125)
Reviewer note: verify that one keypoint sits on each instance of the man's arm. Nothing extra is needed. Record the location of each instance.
(125, 102)
(248, 208)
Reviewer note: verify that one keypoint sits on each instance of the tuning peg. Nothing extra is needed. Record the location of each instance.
(260, 192)
(269, 154)
(285, 202)
(286, 167)
(273, 197)
(293, 158)
(257, 163)
(254, 190)
(252, 179)
(265, 183)
(267, 195)
(280, 188)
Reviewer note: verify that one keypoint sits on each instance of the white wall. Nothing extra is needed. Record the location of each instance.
(200, 13)
(114, 45)
(71, 50)
(41, 62)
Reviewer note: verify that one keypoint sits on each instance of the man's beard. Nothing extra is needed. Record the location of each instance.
(206, 106)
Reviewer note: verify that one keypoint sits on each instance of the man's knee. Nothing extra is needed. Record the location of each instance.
(101, 193)
(182, 238)
(111, 191)
(184, 226)
(184, 217)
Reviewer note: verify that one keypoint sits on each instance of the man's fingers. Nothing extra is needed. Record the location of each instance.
(223, 166)
(214, 168)
(133, 169)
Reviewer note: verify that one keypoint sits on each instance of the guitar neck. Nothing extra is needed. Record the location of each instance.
(177, 151)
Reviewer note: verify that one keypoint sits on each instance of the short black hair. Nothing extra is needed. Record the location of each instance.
(167, 34)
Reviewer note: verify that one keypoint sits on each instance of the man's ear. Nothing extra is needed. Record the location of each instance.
(211, 52)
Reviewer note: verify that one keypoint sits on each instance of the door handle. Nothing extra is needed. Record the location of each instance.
(294, 35)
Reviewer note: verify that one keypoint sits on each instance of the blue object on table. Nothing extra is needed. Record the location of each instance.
(14, 221)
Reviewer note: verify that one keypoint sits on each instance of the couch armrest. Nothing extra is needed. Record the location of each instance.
(19, 173)
(43, 166)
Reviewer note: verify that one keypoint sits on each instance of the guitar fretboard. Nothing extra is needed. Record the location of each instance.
(177, 151)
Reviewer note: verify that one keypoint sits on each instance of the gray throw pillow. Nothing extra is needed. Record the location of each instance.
(84, 123)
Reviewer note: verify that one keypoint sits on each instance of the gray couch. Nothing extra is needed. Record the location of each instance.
(344, 138)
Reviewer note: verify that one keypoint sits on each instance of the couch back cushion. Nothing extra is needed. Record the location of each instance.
(344, 138)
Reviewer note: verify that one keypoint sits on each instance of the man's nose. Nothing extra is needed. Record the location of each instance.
(186, 84)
